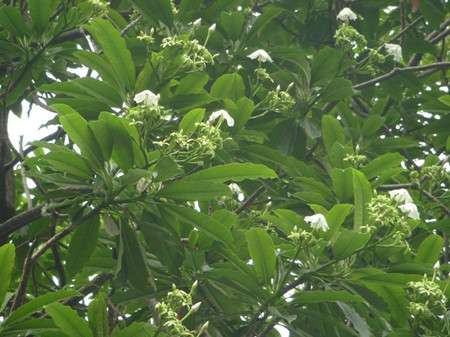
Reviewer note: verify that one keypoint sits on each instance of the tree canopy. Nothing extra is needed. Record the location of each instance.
(226, 168)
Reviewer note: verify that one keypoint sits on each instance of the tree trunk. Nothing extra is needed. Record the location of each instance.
(7, 183)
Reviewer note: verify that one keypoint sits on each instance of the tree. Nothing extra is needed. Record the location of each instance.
(226, 168)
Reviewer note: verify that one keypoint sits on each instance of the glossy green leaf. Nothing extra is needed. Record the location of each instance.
(228, 86)
(430, 250)
(362, 191)
(349, 242)
(194, 190)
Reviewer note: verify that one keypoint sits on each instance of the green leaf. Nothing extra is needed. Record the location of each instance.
(82, 245)
(100, 65)
(372, 124)
(343, 183)
(115, 50)
(122, 152)
(194, 190)
(86, 88)
(137, 329)
(332, 132)
(338, 89)
(336, 217)
(68, 320)
(79, 132)
(228, 86)
(241, 111)
(133, 262)
(40, 11)
(348, 242)
(156, 10)
(232, 172)
(433, 11)
(69, 162)
(270, 13)
(192, 84)
(189, 122)
(362, 192)
(262, 252)
(325, 64)
(430, 250)
(382, 163)
(211, 227)
(358, 322)
(98, 317)
(37, 303)
(320, 296)
(103, 136)
(12, 20)
(7, 257)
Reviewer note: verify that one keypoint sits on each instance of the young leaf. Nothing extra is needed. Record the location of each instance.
(262, 252)
(7, 257)
(68, 320)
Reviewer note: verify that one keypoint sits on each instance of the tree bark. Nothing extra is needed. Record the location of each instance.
(7, 182)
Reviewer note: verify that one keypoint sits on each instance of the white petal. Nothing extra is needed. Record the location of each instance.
(346, 15)
(212, 28)
(317, 222)
(394, 50)
(221, 113)
(400, 195)
(197, 22)
(410, 209)
(261, 55)
(147, 97)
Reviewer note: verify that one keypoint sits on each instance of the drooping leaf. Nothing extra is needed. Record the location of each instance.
(7, 257)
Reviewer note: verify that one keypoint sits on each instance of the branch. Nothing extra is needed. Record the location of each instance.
(95, 284)
(396, 71)
(19, 221)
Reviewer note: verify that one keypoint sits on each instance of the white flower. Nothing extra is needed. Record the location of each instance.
(261, 55)
(410, 209)
(197, 22)
(317, 222)
(346, 15)
(221, 113)
(142, 185)
(147, 97)
(401, 196)
(195, 307)
(212, 28)
(234, 188)
(394, 50)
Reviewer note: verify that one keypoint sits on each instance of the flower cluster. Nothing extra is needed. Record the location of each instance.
(427, 300)
(194, 55)
(169, 311)
(301, 237)
(386, 218)
(355, 159)
(349, 39)
(195, 148)
(317, 222)
(394, 50)
(279, 100)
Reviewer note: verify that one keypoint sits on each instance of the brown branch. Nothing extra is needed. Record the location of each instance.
(95, 284)
(19, 221)
(396, 71)
(26, 269)
(55, 238)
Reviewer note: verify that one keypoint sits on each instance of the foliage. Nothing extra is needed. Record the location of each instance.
(226, 168)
